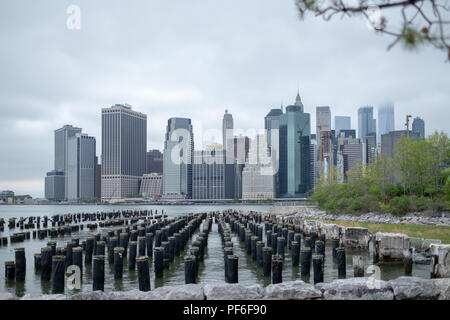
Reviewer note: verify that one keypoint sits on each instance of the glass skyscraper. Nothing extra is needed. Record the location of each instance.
(294, 144)
(178, 159)
(386, 120)
(419, 127)
(366, 122)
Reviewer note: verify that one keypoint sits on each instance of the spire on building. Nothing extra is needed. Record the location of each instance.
(298, 101)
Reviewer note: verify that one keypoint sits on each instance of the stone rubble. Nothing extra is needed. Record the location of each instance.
(341, 289)
(418, 218)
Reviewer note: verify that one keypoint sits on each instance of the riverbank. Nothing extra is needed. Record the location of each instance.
(402, 288)
(415, 218)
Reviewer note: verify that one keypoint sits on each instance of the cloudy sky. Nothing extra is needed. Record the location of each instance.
(191, 59)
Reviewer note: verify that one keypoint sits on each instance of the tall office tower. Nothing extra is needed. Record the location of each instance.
(418, 126)
(352, 151)
(366, 122)
(389, 140)
(154, 162)
(342, 123)
(369, 148)
(294, 143)
(178, 159)
(212, 178)
(227, 134)
(241, 147)
(314, 171)
(323, 119)
(386, 120)
(272, 125)
(124, 144)
(80, 174)
(258, 176)
(98, 181)
(62, 137)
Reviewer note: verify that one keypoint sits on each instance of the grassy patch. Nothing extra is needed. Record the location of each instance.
(412, 230)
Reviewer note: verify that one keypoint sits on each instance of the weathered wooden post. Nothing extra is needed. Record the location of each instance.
(132, 250)
(407, 261)
(318, 268)
(340, 256)
(226, 252)
(295, 251)
(98, 274)
(10, 270)
(334, 245)
(253, 240)
(112, 243)
(281, 243)
(233, 268)
(58, 274)
(118, 262)
(277, 268)
(20, 263)
(259, 253)
(141, 245)
(77, 258)
(149, 244)
(358, 266)
(189, 269)
(37, 261)
(159, 261)
(46, 263)
(274, 243)
(305, 261)
(267, 261)
(143, 273)
(89, 250)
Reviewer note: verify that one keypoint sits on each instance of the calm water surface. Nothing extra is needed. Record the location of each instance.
(211, 269)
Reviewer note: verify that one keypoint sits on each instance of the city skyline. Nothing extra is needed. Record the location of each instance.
(186, 70)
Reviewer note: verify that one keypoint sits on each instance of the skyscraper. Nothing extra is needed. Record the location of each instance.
(323, 119)
(342, 123)
(294, 144)
(81, 161)
(62, 137)
(386, 120)
(366, 122)
(227, 134)
(389, 140)
(178, 159)
(272, 125)
(124, 144)
(419, 127)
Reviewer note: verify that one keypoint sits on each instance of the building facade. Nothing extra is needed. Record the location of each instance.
(124, 143)
(294, 158)
(151, 186)
(272, 126)
(54, 186)
(366, 122)
(323, 119)
(178, 159)
(418, 126)
(389, 140)
(342, 123)
(155, 162)
(386, 120)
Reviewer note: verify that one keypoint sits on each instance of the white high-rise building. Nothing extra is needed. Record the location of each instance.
(124, 144)
(258, 176)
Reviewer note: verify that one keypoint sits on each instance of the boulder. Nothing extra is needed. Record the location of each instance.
(414, 288)
(233, 291)
(30, 296)
(355, 237)
(440, 260)
(181, 292)
(291, 290)
(390, 246)
(356, 289)
(7, 296)
(443, 286)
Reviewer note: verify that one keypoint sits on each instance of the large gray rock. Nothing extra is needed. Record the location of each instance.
(443, 286)
(391, 246)
(181, 292)
(414, 288)
(7, 296)
(356, 289)
(291, 289)
(44, 297)
(133, 295)
(233, 291)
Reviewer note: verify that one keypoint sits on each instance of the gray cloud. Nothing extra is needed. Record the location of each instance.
(193, 59)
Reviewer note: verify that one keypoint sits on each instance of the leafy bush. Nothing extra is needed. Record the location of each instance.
(400, 205)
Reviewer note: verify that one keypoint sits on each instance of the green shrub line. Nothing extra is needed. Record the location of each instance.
(416, 180)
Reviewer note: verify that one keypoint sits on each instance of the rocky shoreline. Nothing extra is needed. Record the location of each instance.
(402, 288)
(417, 218)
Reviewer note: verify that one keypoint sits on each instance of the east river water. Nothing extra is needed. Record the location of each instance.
(211, 269)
